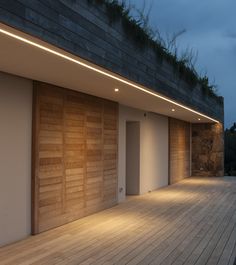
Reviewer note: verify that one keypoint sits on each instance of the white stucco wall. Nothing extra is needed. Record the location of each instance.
(153, 149)
(132, 158)
(15, 155)
(15, 158)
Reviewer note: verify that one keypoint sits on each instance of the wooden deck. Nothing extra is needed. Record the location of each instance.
(192, 222)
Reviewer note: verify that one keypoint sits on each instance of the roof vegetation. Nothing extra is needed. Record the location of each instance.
(142, 33)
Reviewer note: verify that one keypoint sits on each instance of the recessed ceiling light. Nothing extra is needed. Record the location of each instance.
(4, 30)
(199, 119)
(173, 110)
(116, 89)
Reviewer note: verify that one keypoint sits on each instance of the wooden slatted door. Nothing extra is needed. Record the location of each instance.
(74, 170)
(94, 153)
(110, 153)
(179, 150)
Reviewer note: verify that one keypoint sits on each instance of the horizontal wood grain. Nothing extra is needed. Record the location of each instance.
(75, 153)
(179, 150)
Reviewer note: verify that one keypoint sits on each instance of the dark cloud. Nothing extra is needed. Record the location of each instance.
(230, 35)
(210, 29)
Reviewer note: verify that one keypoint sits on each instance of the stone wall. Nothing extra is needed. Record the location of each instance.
(207, 150)
(84, 29)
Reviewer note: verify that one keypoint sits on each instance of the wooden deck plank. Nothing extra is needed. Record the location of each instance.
(195, 245)
(132, 247)
(191, 240)
(147, 235)
(208, 251)
(229, 247)
(161, 243)
(192, 222)
(90, 225)
(217, 253)
(114, 240)
(232, 260)
(200, 219)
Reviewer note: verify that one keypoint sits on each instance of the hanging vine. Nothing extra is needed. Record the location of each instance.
(139, 30)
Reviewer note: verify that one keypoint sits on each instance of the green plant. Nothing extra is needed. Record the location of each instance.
(230, 150)
(139, 30)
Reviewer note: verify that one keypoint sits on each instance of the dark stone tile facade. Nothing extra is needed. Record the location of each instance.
(84, 29)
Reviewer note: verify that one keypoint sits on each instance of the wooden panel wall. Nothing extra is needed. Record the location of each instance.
(74, 156)
(179, 150)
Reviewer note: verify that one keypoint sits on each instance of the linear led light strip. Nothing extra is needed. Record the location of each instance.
(100, 71)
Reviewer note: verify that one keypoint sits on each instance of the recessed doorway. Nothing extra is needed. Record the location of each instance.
(132, 158)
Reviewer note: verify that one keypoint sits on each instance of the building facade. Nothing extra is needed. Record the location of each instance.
(88, 117)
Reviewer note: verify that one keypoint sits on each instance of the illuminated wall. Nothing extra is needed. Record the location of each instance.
(208, 150)
(15, 158)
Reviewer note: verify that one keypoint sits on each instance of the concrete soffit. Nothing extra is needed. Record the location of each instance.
(29, 57)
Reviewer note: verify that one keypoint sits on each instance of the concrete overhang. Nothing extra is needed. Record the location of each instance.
(29, 57)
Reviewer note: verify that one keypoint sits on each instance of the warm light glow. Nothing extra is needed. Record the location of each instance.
(96, 69)
(199, 119)
(116, 89)
(173, 110)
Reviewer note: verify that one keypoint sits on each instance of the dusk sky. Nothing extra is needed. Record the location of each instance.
(210, 30)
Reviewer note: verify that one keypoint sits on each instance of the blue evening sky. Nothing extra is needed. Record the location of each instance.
(211, 30)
